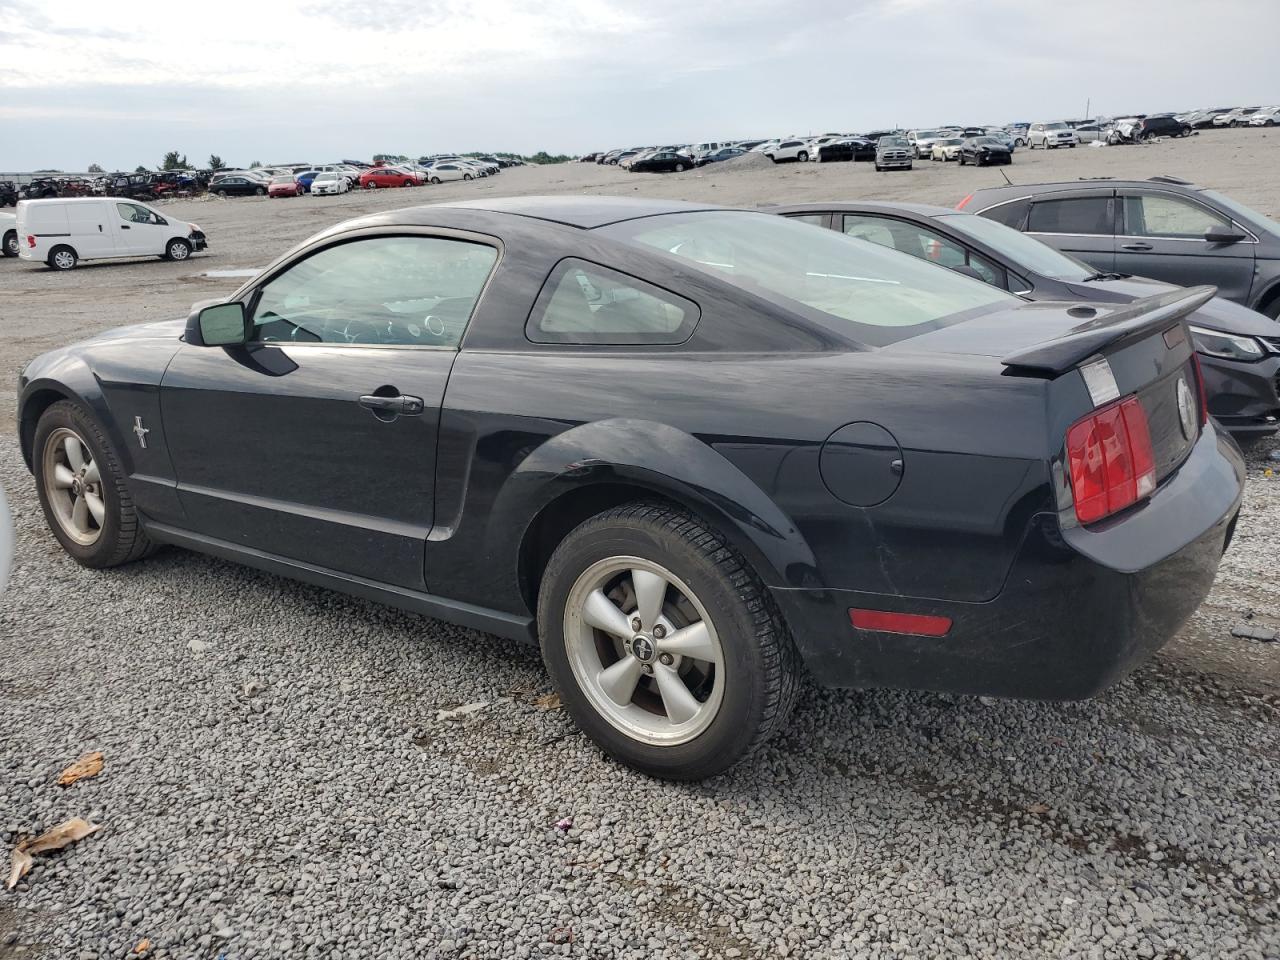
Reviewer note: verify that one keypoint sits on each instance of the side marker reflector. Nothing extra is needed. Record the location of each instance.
(914, 624)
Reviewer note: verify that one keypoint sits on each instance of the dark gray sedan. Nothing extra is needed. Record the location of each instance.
(1239, 348)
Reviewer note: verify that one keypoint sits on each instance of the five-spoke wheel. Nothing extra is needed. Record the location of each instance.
(74, 486)
(643, 650)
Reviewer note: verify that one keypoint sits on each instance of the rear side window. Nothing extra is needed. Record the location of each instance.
(1160, 216)
(1075, 215)
(589, 304)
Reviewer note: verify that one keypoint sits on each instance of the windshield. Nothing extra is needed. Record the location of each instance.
(1020, 249)
(884, 296)
(893, 141)
(1055, 126)
(985, 140)
(1240, 210)
(282, 179)
(327, 176)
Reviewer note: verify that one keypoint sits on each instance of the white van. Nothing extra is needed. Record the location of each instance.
(63, 232)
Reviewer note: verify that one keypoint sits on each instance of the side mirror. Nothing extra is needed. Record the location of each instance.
(218, 325)
(1221, 234)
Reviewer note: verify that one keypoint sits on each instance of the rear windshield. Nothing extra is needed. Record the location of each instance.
(879, 296)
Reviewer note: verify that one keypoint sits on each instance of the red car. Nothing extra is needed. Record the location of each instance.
(389, 177)
(284, 186)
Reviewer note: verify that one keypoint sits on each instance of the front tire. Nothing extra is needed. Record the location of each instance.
(710, 672)
(467, 176)
(177, 250)
(435, 179)
(82, 489)
(802, 156)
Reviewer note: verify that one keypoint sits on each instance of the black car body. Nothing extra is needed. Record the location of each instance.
(1151, 127)
(134, 186)
(8, 193)
(899, 476)
(237, 185)
(39, 188)
(984, 150)
(849, 148)
(1239, 348)
(663, 161)
(1163, 228)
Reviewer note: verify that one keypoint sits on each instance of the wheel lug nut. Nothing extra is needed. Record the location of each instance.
(667, 659)
(648, 668)
(635, 623)
(659, 632)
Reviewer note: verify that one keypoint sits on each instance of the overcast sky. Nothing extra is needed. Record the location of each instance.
(83, 81)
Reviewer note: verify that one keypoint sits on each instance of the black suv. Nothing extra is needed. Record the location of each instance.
(1164, 228)
(1149, 127)
(8, 193)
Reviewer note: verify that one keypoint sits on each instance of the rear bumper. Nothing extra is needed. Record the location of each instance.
(1079, 610)
(1244, 397)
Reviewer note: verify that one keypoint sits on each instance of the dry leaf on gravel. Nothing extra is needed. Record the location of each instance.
(63, 835)
(21, 864)
(90, 765)
(1037, 808)
(143, 946)
(548, 701)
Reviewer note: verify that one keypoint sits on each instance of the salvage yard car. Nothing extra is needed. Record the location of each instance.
(1239, 348)
(1165, 228)
(893, 153)
(544, 433)
(330, 182)
(946, 148)
(983, 151)
(62, 232)
(1051, 136)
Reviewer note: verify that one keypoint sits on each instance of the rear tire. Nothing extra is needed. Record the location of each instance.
(117, 536)
(803, 156)
(689, 713)
(261, 191)
(62, 258)
(11, 244)
(435, 179)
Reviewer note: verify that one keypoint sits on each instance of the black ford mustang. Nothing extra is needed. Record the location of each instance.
(692, 450)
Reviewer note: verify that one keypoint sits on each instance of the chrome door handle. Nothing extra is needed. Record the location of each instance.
(1135, 246)
(403, 406)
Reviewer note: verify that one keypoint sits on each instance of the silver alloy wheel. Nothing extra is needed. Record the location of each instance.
(64, 259)
(73, 486)
(12, 245)
(644, 651)
(178, 250)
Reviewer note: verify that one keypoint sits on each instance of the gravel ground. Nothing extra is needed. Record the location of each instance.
(277, 782)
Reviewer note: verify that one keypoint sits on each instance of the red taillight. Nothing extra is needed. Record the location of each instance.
(1204, 398)
(1111, 460)
(883, 621)
(964, 203)
(31, 241)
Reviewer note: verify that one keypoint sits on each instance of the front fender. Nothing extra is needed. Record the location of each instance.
(53, 377)
(667, 461)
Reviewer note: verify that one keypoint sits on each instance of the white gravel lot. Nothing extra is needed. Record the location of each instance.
(277, 785)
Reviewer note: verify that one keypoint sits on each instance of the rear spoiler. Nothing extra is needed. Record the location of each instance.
(1131, 322)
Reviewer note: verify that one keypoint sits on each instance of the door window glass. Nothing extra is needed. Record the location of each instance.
(133, 213)
(584, 303)
(417, 291)
(913, 239)
(1074, 215)
(1160, 216)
